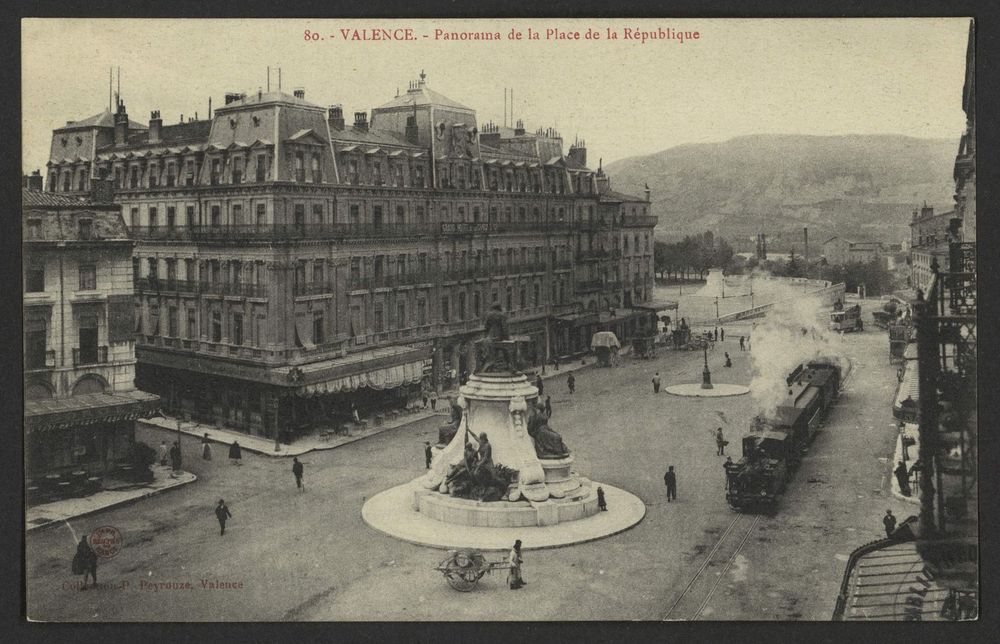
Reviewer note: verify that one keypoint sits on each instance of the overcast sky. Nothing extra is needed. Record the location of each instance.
(899, 76)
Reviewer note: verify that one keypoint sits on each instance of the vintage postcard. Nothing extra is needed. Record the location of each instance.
(519, 319)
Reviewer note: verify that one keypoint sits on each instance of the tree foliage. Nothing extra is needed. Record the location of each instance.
(693, 255)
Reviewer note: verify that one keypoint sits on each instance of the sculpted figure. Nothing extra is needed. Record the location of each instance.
(548, 442)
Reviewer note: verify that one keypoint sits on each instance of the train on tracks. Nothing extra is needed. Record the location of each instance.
(775, 444)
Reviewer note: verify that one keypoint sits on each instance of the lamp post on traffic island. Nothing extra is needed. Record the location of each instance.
(706, 375)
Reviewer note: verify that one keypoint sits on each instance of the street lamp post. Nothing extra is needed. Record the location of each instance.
(706, 375)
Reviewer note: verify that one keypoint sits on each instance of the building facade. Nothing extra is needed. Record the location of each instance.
(290, 264)
(838, 250)
(79, 345)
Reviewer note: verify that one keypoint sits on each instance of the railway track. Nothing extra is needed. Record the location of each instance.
(698, 592)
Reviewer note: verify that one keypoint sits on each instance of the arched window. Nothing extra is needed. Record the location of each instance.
(89, 384)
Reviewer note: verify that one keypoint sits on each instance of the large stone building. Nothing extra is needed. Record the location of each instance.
(928, 243)
(79, 342)
(840, 251)
(287, 259)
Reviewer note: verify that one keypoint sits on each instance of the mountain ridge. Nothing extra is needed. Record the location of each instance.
(858, 185)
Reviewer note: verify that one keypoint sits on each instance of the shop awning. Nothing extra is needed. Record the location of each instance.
(658, 305)
(88, 409)
(577, 319)
(382, 368)
(904, 406)
(889, 584)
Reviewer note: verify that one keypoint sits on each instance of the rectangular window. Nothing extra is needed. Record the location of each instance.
(237, 329)
(300, 170)
(86, 227)
(421, 312)
(34, 281)
(401, 315)
(355, 272)
(171, 270)
(510, 298)
(189, 173)
(318, 327)
(153, 272)
(377, 174)
(356, 321)
(216, 171)
(189, 270)
(445, 314)
(154, 178)
(537, 295)
(216, 326)
(237, 214)
(189, 214)
(261, 167)
(216, 216)
(355, 214)
(153, 218)
(171, 175)
(238, 175)
(379, 318)
(377, 216)
(318, 272)
(317, 169)
(400, 215)
(192, 324)
(523, 299)
(477, 305)
(300, 215)
(172, 322)
(317, 213)
(421, 215)
(171, 217)
(261, 215)
(134, 217)
(36, 340)
(88, 353)
(461, 306)
(422, 262)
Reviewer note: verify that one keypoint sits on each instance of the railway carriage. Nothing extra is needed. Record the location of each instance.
(775, 445)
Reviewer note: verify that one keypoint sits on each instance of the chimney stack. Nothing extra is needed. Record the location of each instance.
(577, 152)
(411, 130)
(361, 121)
(33, 181)
(155, 123)
(121, 124)
(300, 92)
(335, 117)
(519, 128)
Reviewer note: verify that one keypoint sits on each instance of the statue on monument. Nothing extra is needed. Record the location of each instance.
(497, 352)
(476, 476)
(548, 442)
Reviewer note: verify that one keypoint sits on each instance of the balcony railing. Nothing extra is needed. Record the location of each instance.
(154, 285)
(99, 355)
(597, 254)
(313, 288)
(945, 322)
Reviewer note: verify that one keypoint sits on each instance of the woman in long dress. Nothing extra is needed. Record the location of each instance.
(516, 581)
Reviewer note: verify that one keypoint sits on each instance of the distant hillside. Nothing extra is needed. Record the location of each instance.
(855, 186)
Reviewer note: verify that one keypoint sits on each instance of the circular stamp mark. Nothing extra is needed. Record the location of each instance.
(106, 541)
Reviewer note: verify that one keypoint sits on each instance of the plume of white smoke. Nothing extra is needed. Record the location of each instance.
(794, 332)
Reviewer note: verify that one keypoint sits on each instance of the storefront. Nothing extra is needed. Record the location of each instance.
(85, 433)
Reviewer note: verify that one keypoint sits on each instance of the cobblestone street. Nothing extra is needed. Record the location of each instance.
(309, 556)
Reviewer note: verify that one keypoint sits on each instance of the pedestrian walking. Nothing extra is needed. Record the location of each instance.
(354, 414)
(716, 334)
(175, 456)
(571, 381)
(538, 383)
(602, 505)
(889, 522)
(656, 382)
(722, 335)
(903, 478)
(742, 340)
(164, 452)
(428, 454)
(555, 362)
(85, 562)
(235, 453)
(514, 577)
(729, 361)
(424, 398)
(670, 478)
(720, 442)
(222, 513)
(548, 407)
(206, 448)
(434, 400)
(298, 471)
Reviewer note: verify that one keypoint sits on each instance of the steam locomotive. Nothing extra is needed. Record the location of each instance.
(775, 445)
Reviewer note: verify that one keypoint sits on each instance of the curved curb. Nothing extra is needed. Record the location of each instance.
(692, 390)
(389, 513)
